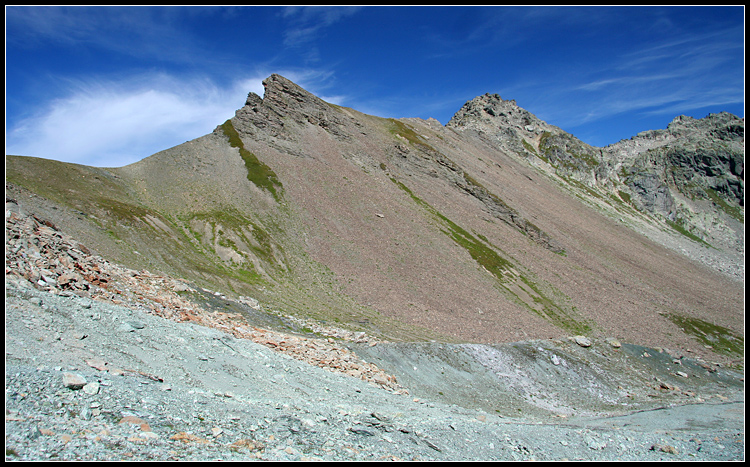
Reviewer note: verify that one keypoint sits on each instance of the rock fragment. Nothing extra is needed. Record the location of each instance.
(583, 341)
(664, 448)
(73, 381)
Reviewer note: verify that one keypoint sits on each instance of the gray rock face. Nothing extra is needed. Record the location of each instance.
(285, 103)
(650, 193)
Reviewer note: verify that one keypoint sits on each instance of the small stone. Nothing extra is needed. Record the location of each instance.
(682, 373)
(100, 365)
(91, 388)
(66, 278)
(133, 420)
(246, 444)
(86, 413)
(667, 386)
(73, 381)
(583, 341)
(664, 448)
(216, 431)
(78, 335)
(595, 444)
(188, 438)
(135, 324)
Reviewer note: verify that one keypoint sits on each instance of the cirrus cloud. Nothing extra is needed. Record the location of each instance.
(107, 123)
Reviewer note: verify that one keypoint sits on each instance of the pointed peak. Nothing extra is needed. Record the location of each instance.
(283, 95)
(284, 100)
(491, 109)
(276, 86)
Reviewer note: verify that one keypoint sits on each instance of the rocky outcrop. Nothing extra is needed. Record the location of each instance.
(691, 155)
(688, 173)
(510, 128)
(692, 174)
(283, 111)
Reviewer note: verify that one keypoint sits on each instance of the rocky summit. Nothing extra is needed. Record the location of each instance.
(496, 251)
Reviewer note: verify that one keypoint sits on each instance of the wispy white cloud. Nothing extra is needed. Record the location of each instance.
(115, 123)
(305, 23)
(626, 81)
(678, 75)
(108, 123)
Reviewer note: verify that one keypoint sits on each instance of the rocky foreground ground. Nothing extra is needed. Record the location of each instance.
(108, 363)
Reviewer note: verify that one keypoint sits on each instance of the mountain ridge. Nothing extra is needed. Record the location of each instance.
(661, 173)
(402, 227)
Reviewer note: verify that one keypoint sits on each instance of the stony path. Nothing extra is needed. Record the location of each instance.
(105, 363)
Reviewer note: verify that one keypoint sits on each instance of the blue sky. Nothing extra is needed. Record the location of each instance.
(108, 86)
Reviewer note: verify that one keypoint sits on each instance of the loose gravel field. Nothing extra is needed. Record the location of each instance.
(153, 388)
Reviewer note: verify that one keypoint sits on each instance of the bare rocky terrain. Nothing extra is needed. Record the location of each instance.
(108, 363)
(310, 282)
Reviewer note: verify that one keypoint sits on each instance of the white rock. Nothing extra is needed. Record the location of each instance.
(582, 341)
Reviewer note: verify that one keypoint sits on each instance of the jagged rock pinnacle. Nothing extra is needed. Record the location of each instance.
(488, 112)
(284, 102)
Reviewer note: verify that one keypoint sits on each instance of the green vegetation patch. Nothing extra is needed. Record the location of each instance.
(398, 127)
(529, 147)
(257, 172)
(734, 211)
(624, 196)
(550, 311)
(487, 257)
(681, 229)
(262, 245)
(721, 339)
(528, 293)
(583, 187)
